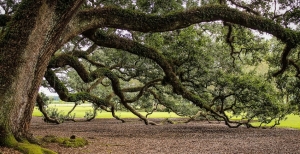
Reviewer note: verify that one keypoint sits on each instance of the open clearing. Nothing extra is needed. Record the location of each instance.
(293, 121)
(112, 136)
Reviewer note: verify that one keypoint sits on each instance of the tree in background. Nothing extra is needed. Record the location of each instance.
(180, 54)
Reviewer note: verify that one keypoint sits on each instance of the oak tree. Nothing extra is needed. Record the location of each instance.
(35, 34)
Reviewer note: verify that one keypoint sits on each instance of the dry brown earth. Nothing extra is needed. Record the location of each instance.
(133, 137)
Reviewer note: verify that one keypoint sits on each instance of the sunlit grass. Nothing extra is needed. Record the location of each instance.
(292, 121)
(81, 110)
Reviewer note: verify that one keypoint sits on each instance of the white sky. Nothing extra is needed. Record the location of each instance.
(47, 92)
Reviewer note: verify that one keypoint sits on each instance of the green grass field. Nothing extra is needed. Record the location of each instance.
(81, 110)
(293, 121)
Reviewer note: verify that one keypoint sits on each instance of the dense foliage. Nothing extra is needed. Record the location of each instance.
(215, 65)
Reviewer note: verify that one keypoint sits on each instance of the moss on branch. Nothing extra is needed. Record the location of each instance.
(133, 20)
(71, 60)
(141, 50)
(66, 96)
(14, 41)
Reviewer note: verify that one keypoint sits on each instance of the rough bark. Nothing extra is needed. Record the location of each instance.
(39, 27)
(132, 20)
(26, 47)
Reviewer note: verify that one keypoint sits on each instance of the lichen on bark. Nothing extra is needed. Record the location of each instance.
(26, 47)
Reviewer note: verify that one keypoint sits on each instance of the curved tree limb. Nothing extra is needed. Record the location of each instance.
(101, 17)
(284, 59)
(118, 91)
(131, 20)
(67, 117)
(64, 95)
(112, 109)
(141, 50)
(41, 105)
(66, 59)
(170, 76)
(142, 90)
(94, 114)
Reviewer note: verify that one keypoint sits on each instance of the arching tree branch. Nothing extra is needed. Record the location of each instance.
(131, 20)
(64, 95)
(284, 59)
(141, 50)
(41, 105)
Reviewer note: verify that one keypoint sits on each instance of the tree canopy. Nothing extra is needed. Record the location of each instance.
(210, 58)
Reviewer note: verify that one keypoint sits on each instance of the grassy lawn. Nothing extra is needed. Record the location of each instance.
(81, 110)
(293, 121)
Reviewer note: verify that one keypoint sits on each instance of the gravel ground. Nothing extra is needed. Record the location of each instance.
(133, 137)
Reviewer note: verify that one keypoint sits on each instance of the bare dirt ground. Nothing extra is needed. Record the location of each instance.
(134, 137)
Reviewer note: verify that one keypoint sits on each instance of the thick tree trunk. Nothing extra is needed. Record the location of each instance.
(25, 50)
